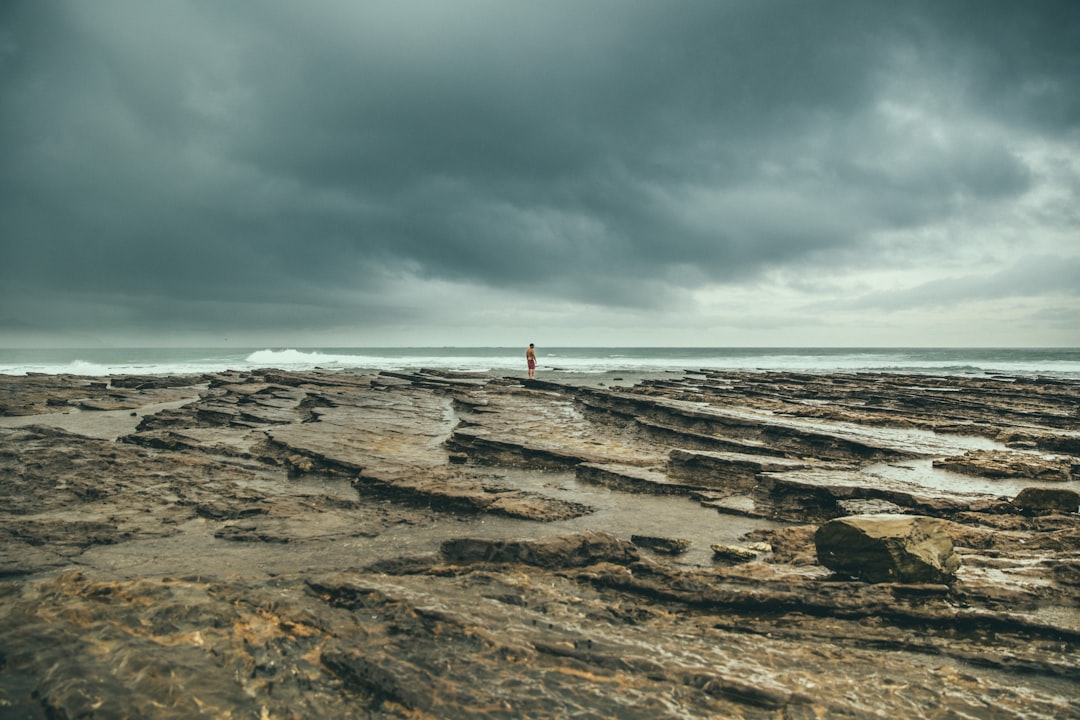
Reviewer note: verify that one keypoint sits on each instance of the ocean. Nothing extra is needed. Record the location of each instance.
(1046, 362)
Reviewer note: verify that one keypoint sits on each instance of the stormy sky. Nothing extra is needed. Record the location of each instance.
(496, 172)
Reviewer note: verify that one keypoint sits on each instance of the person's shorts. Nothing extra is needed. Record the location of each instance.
(532, 364)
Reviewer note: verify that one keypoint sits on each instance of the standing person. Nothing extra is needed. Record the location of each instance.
(530, 358)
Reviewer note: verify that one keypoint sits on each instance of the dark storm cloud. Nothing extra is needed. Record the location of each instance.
(291, 161)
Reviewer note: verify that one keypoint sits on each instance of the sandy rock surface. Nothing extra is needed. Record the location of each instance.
(431, 544)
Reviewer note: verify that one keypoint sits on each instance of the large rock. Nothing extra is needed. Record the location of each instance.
(1041, 500)
(887, 548)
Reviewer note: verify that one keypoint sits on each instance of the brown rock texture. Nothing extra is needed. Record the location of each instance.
(1047, 500)
(433, 544)
(888, 548)
(1010, 464)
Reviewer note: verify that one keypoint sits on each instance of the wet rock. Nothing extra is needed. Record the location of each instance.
(309, 545)
(665, 545)
(1006, 464)
(381, 675)
(555, 552)
(249, 533)
(153, 382)
(113, 402)
(632, 478)
(227, 511)
(887, 548)
(733, 553)
(1051, 442)
(528, 506)
(736, 471)
(821, 494)
(1044, 500)
(300, 464)
(869, 506)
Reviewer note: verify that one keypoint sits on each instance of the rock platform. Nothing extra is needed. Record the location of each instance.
(430, 544)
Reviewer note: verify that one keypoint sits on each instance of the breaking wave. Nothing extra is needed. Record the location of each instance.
(1061, 362)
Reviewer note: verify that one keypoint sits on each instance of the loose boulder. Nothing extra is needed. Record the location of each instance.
(888, 548)
(1041, 500)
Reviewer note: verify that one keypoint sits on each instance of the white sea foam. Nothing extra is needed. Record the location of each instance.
(407, 359)
(82, 367)
(99, 362)
(300, 359)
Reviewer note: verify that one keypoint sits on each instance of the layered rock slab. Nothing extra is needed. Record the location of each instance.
(393, 441)
(321, 601)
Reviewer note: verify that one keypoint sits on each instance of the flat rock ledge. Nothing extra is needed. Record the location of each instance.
(1012, 464)
(555, 552)
(431, 544)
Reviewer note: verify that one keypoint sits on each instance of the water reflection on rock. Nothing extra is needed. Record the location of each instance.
(434, 544)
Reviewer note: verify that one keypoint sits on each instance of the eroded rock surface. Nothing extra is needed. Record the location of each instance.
(434, 544)
(1047, 500)
(1010, 464)
(888, 548)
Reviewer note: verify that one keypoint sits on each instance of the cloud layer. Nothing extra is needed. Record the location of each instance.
(624, 172)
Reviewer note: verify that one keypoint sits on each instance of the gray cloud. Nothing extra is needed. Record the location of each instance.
(1037, 276)
(294, 165)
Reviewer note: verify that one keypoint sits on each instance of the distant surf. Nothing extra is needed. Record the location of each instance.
(1049, 362)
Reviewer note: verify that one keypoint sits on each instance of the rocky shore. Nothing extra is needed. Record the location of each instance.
(443, 545)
